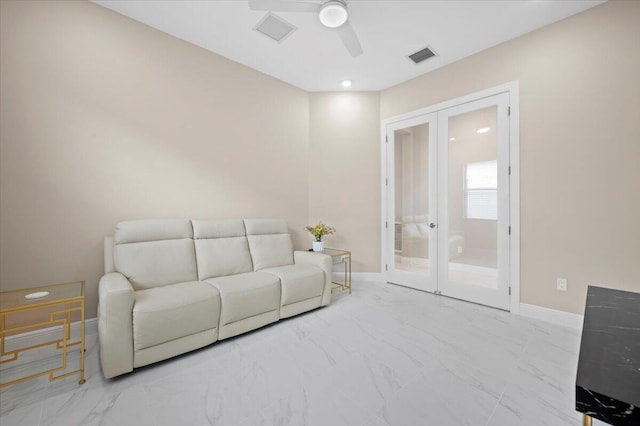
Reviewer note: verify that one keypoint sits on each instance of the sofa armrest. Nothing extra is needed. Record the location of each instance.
(321, 260)
(115, 324)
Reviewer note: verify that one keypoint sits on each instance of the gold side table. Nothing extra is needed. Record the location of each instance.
(341, 257)
(34, 309)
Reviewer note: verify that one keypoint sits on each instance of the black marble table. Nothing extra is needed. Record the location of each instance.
(608, 380)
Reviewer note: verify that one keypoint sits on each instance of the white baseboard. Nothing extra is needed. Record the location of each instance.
(359, 276)
(562, 318)
(48, 334)
(366, 276)
(565, 319)
(52, 333)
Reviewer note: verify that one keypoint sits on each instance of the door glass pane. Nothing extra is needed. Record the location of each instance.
(473, 198)
(411, 236)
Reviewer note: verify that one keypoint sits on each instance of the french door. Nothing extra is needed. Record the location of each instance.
(447, 192)
(412, 186)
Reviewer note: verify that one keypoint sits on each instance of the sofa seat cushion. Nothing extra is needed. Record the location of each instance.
(246, 295)
(299, 282)
(166, 313)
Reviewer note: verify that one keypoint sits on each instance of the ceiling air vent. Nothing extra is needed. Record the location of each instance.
(274, 27)
(422, 55)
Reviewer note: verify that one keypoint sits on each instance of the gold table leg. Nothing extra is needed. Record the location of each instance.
(586, 420)
(349, 272)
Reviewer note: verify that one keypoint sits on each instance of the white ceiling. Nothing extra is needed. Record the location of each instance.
(313, 58)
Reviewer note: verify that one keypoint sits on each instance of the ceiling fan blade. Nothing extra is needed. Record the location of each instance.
(349, 38)
(284, 6)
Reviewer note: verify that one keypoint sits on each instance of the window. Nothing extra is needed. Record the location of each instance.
(481, 190)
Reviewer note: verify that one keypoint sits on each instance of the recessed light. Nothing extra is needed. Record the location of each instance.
(452, 139)
(483, 130)
(346, 83)
(333, 13)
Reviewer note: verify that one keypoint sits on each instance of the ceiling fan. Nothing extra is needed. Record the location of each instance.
(331, 13)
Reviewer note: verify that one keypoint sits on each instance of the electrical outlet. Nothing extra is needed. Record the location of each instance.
(561, 284)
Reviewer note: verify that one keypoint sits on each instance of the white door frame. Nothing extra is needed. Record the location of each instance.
(512, 88)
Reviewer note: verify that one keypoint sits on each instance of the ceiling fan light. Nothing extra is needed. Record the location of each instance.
(333, 14)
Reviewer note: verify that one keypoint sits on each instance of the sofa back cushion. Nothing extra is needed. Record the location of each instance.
(269, 242)
(154, 253)
(221, 248)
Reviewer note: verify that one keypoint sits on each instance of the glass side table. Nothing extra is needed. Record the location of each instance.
(341, 257)
(34, 309)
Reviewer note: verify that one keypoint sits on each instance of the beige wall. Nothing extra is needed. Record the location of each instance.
(344, 173)
(579, 142)
(105, 119)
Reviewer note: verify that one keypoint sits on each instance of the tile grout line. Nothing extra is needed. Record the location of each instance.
(44, 398)
(510, 381)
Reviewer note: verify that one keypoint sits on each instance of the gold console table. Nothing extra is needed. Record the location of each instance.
(338, 257)
(34, 309)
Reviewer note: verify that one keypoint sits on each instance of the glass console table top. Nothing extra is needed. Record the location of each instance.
(335, 252)
(18, 300)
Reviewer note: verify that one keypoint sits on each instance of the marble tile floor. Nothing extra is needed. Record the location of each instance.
(385, 355)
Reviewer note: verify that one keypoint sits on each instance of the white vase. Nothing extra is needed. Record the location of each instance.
(317, 246)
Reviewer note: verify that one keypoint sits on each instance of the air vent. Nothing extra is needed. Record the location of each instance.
(422, 55)
(274, 27)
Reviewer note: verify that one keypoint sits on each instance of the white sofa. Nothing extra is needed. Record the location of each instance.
(172, 286)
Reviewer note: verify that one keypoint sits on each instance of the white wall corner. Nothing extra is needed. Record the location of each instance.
(562, 318)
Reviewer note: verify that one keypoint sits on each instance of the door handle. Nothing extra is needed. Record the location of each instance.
(432, 225)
